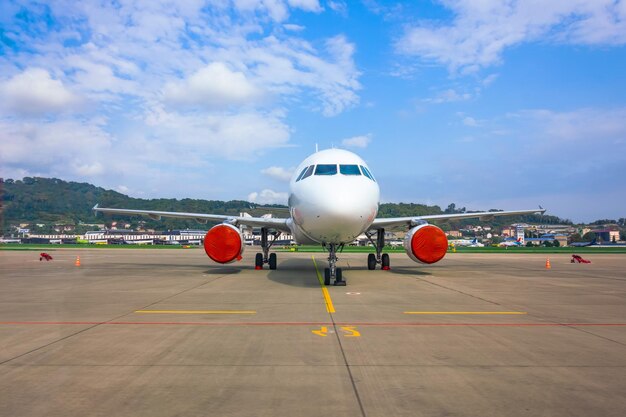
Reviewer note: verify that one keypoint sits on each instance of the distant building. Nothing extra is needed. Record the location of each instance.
(608, 234)
(63, 227)
(519, 233)
(508, 231)
(454, 233)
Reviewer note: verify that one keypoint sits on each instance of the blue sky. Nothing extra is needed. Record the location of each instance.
(490, 104)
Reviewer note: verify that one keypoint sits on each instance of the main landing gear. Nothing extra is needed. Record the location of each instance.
(333, 273)
(266, 257)
(379, 258)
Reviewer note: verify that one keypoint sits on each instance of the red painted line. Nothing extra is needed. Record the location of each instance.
(307, 323)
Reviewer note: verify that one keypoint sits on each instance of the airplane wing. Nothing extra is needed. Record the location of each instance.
(408, 222)
(273, 223)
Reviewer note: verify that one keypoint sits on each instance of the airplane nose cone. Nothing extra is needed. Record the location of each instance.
(342, 218)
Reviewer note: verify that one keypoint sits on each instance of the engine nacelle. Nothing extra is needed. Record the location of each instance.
(224, 243)
(426, 244)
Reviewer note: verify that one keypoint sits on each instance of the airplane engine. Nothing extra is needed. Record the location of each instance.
(224, 243)
(426, 244)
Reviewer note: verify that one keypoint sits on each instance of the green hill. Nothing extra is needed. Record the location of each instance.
(54, 201)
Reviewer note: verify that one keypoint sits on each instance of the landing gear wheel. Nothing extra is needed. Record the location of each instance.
(385, 261)
(272, 261)
(339, 281)
(258, 261)
(371, 261)
(326, 276)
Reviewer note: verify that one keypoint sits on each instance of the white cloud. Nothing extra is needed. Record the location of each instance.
(338, 6)
(135, 50)
(293, 27)
(35, 92)
(214, 86)
(357, 141)
(489, 79)
(226, 135)
(604, 129)
(56, 148)
(481, 31)
(307, 5)
(268, 196)
(470, 121)
(448, 96)
(278, 173)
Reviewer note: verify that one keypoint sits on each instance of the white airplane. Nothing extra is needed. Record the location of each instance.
(333, 199)
(473, 243)
(508, 243)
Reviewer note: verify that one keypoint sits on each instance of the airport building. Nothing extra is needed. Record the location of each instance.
(608, 234)
(170, 237)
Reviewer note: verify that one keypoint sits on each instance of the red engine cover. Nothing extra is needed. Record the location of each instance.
(426, 244)
(224, 243)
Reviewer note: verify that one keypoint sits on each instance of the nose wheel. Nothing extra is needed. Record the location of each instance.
(332, 273)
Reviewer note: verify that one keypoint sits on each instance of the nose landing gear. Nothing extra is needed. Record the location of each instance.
(333, 273)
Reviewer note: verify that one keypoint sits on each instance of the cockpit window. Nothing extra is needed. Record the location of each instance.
(326, 169)
(308, 172)
(301, 174)
(367, 173)
(349, 170)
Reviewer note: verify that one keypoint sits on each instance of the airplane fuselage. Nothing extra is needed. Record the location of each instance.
(333, 198)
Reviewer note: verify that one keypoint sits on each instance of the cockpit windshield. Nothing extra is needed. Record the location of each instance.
(326, 169)
(367, 173)
(301, 174)
(331, 169)
(308, 172)
(349, 170)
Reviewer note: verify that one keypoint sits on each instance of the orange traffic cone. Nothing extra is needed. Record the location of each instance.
(548, 264)
(77, 263)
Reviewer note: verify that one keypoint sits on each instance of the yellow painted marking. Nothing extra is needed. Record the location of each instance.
(464, 312)
(352, 330)
(322, 332)
(195, 312)
(329, 302)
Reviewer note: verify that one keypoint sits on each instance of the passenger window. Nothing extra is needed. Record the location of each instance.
(308, 172)
(301, 174)
(349, 170)
(367, 173)
(326, 169)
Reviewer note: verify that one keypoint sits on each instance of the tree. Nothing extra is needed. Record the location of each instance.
(556, 243)
(589, 236)
(575, 237)
(529, 244)
(547, 244)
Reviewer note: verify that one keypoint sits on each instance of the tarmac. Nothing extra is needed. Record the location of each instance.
(170, 333)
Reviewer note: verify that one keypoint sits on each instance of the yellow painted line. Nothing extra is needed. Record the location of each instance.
(464, 312)
(352, 331)
(329, 302)
(195, 312)
(321, 332)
